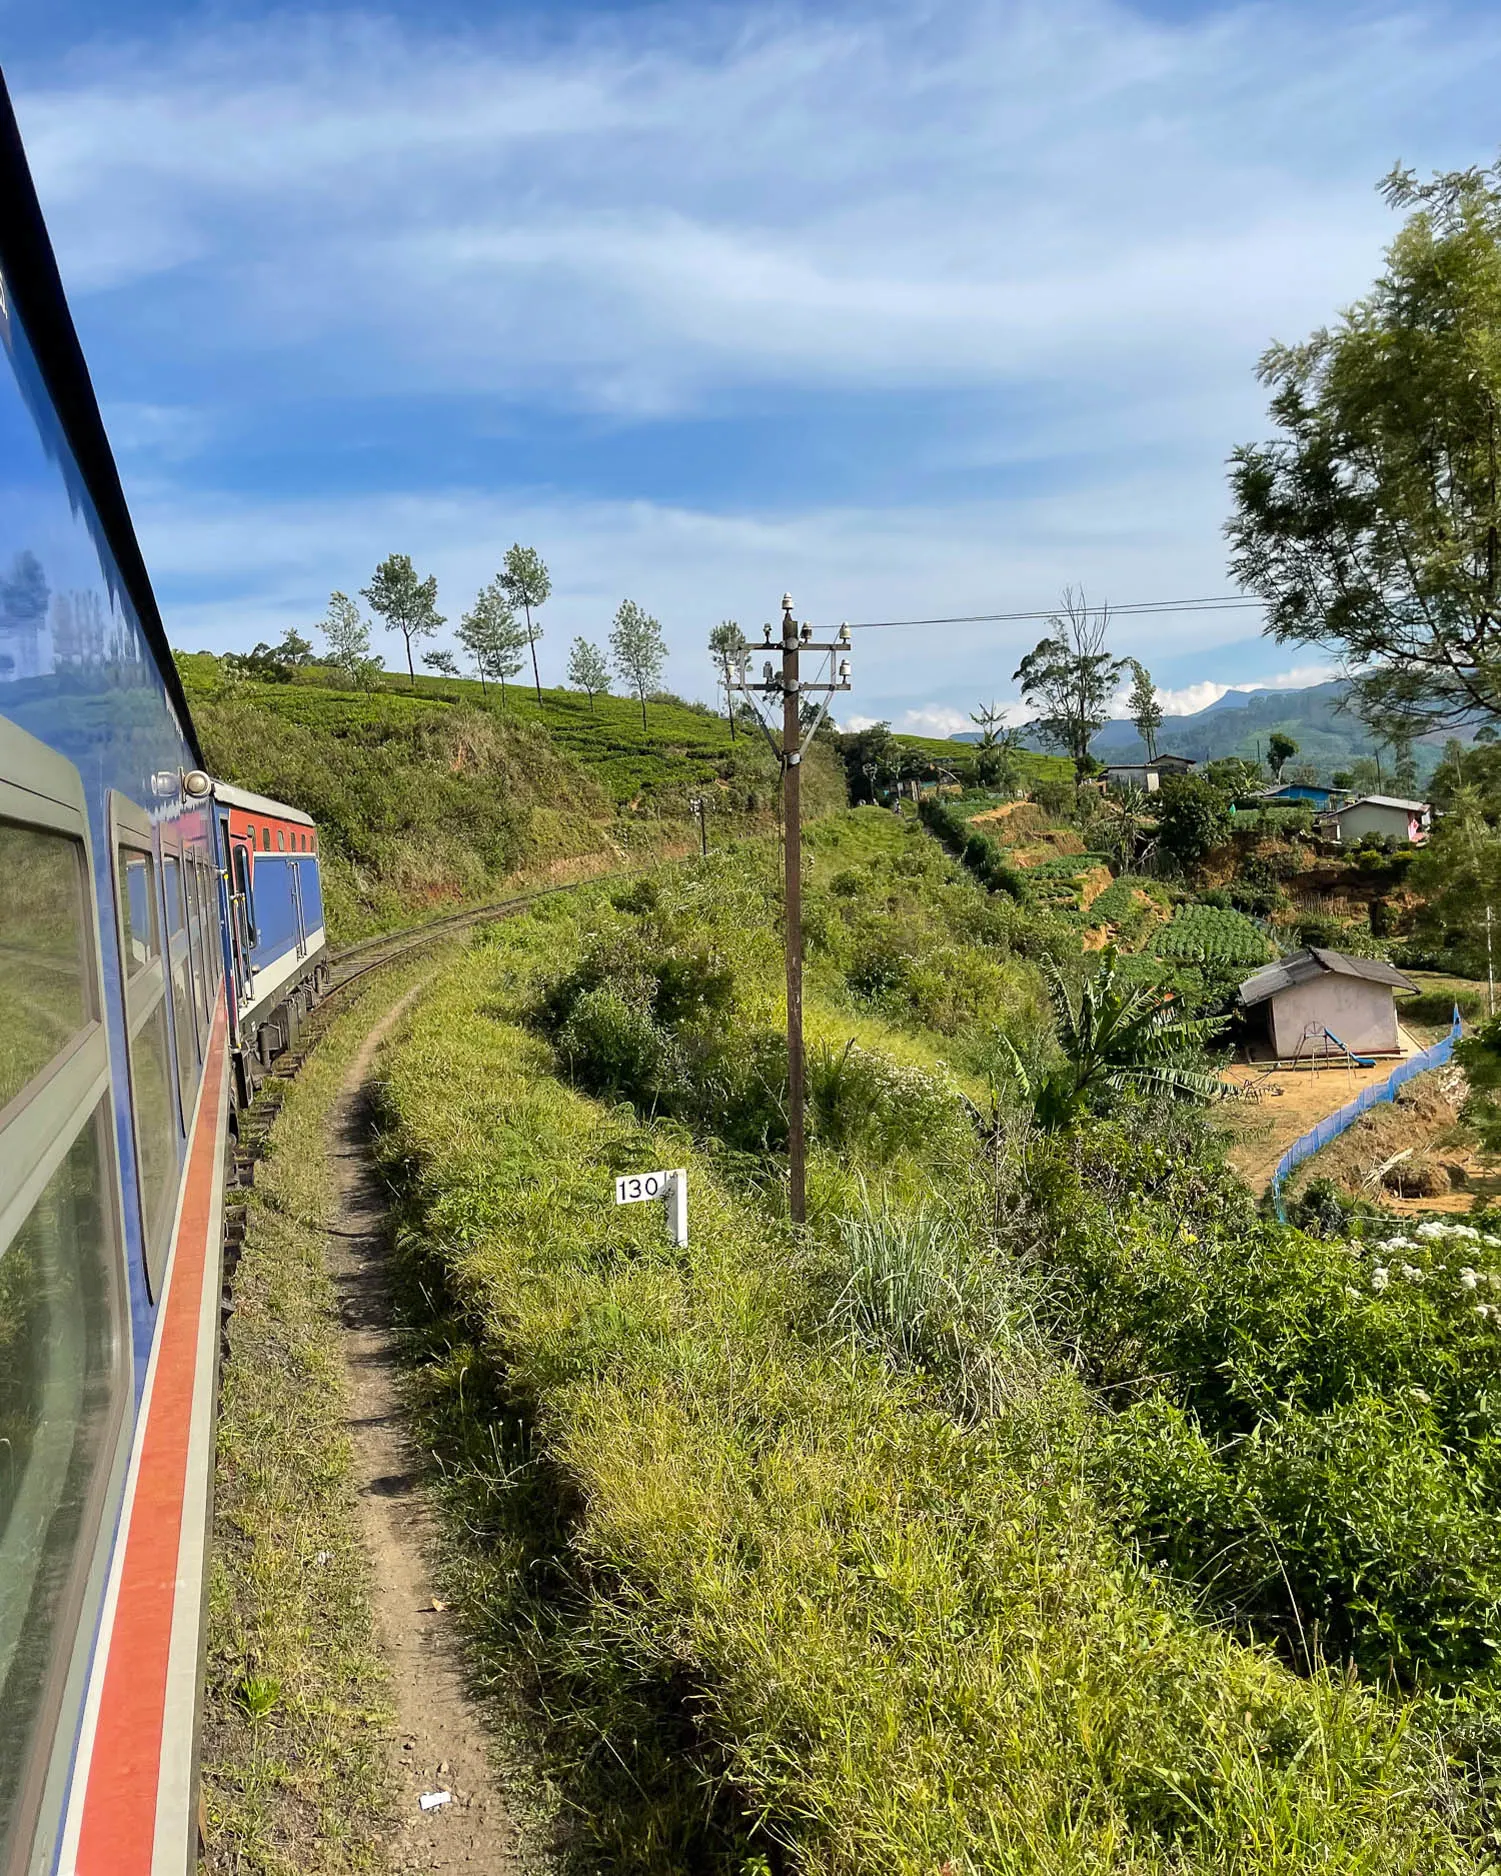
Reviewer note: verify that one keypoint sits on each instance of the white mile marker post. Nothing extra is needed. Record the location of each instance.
(671, 1186)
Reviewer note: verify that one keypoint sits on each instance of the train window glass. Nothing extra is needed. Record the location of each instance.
(281, 840)
(61, 1376)
(156, 1125)
(172, 893)
(265, 839)
(180, 965)
(137, 910)
(45, 964)
(156, 1102)
(198, 948)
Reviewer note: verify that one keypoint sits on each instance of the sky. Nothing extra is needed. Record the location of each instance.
(910, 310)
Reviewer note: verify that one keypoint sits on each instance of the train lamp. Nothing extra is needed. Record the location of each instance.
(789, 684)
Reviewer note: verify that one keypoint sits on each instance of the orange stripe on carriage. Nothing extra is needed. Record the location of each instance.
(118, 1826)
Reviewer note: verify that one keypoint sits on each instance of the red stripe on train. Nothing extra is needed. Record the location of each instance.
(117, 1832)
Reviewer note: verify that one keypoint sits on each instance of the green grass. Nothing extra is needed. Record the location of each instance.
(297, 1716)
(804, 1599)
(961, 757)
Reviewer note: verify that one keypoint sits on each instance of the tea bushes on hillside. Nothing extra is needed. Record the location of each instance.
(1304, 1430)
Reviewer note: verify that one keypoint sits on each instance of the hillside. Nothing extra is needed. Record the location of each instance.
(438, 796)
(1241, 722)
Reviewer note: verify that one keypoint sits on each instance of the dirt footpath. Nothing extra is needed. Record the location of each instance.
(441, 1744)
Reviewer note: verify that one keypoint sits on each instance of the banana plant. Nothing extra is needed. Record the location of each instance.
(1119, 1037)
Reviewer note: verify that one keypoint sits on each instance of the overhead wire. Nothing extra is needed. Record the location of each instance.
(1227, 602)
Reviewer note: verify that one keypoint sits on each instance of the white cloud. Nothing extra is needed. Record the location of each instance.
(629, 215)
(1083, 221)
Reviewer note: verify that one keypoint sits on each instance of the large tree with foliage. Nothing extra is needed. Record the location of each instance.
(1193, 817)
(493, 636)
(1145, 707)
(1371, 524)
(408, 605)
(1068, 678)
(640, 650)
(727, 646)
(525, 582)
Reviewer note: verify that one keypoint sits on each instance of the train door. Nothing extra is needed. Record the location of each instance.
(296, 871)
(242, 918)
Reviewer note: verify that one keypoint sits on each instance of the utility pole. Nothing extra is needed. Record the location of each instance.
(790, 684)
(699, 807)
(1490, 968)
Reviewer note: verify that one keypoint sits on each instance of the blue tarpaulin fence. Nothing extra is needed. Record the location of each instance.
(1333, 1125)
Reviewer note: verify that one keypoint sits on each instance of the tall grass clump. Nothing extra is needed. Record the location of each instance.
(880, 1633)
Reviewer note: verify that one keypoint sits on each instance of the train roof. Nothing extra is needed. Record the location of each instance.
(31, 279)
(233, 797)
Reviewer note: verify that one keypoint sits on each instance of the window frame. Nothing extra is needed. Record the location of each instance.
(130, 827)
(39, 1129)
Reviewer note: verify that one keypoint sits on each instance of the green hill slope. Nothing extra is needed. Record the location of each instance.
(437, 796)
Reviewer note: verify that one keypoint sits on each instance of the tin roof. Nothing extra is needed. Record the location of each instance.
(1314, 961)
(233, 797)
(1385, 801)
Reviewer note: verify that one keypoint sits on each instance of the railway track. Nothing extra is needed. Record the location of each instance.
(253, 1123)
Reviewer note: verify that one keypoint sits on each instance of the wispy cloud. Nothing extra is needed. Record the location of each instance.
(1073, 223)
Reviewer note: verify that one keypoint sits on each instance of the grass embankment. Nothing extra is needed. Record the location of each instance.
(880, 1624)
(295, 1740)
(432, 799)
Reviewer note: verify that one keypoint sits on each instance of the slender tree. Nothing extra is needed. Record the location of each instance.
(494, 637)
(588, 669)
(408, 605)
(348, 636)
(727, 644)
(640, 651)
(1068, 678)
(525, 582)
(1146, 709)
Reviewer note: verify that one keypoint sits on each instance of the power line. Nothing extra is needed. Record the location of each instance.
(1223, 603)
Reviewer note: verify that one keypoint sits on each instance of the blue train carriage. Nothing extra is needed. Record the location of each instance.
(278, 949)
(143, 949)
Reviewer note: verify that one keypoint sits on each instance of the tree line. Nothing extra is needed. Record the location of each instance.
(499, 632)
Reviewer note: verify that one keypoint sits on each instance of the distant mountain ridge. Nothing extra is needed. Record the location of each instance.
(1242, 721)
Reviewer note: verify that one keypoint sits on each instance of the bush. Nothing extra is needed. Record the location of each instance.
(895, 1636)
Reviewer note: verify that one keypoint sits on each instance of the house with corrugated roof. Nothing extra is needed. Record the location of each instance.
(1392, 816)
(1319, 1002)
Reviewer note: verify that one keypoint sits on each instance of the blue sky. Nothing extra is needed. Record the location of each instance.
(914, 310)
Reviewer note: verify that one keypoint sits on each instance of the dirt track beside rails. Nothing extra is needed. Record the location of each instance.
(441, 1743)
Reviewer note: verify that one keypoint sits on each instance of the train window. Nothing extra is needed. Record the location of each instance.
(242, 890)
(281, 840)
(179, 965)
(197, 933)
(64, 1336)
(59, 1395)
(265, 839)
(45, 966)
(153, 1091)
(139, 938)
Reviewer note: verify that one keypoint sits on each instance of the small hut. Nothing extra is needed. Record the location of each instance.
(1319, 1003)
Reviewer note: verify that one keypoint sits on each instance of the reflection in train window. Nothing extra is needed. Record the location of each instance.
(179, 965)
(137, 910)
(149, 1050)
(45, 977)
(60, 1382)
